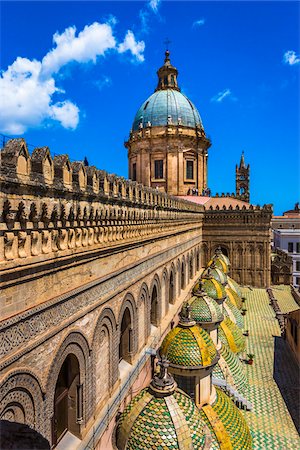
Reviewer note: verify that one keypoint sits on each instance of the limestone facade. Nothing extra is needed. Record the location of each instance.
(80, 250)
(94, 269)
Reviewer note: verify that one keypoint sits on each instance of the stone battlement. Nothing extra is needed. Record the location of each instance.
(51, 207)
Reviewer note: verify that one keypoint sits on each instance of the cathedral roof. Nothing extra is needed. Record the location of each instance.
(231, 335)
(212, 287)
(188, 346)
(214, 272)
(227, 424)
(167, 106)
(234, 314)
(234, 286)
(205, 310)
(233, 297)
(161, 416)
(219, 263)
(231, 369)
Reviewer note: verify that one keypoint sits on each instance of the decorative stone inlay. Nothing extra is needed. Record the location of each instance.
(27, 330)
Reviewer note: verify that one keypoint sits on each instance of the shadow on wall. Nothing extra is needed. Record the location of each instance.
(18, 436)
(286, 376)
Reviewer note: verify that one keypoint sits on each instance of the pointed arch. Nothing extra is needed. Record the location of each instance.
(155, 301)
(104, 353)
(128, 329)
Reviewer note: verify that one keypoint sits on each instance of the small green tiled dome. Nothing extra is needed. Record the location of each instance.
(189, 347)
(215, 273)
(227, 424)
(234, 286)
(212, 287)
(170, 422)
(231, 369)
(205, 310)
(232, 336)
(234, 314)
(219, 263)
(233, 297)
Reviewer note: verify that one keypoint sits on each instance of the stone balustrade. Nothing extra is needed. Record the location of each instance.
(49, 206)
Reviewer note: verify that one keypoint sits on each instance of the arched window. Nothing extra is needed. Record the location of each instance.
(171, 288)
(191, 267)
(154, 306)
(182, 276)
(67, 400)
(224, 251)
(198, 261)
(125, 345)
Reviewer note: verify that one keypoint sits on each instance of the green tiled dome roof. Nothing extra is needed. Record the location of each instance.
(234, 297)
(205, 309)
(227, 424)
(232, 336)
(231, 369)
(171, 422)
(234, 286)
(212, 287)
(217, 274)
(167, 106)
(234, 314)
(219, 263)
(188, 347)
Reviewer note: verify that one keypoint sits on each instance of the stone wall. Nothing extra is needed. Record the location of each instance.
(244, 235)
(78, 247)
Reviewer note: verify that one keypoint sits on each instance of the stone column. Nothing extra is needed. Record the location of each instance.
(200, 172)
(180, 173)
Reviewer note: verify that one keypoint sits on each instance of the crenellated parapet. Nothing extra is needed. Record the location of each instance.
(51, 206)
(247, 215)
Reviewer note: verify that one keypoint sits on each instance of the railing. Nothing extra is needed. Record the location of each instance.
(238, 398)
(114, 406)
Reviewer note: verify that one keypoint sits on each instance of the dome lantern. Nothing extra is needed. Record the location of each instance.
(167, 75)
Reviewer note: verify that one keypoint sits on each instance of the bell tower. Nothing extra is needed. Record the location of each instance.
(242, 180)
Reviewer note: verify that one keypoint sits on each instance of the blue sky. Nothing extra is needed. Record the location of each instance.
(78, 93)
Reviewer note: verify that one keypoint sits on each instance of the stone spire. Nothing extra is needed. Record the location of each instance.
(167, 75)
(242, 161)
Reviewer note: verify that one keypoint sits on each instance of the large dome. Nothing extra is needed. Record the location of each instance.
(165, 107)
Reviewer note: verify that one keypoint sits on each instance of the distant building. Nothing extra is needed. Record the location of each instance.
(286, 237)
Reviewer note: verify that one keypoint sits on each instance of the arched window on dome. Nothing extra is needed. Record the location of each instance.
(172, 80)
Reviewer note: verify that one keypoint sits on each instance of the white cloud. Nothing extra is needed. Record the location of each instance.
(66, 113)
(220, 96)
(291, 58)
(136, 48)
(154, 4)
(199, 23)
(27, 87)
(93, 41)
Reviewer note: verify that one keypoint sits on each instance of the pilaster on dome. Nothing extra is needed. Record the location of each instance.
(167, 75)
